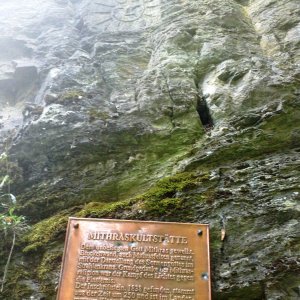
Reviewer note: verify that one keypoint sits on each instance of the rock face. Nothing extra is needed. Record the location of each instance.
(101, 100)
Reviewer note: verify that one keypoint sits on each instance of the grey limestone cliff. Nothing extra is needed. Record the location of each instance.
(103, 100)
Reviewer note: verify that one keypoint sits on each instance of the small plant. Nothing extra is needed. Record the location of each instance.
(10, 223)
(13, 225)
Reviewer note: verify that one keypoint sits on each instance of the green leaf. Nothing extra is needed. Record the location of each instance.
(6, 177)
(11, 211)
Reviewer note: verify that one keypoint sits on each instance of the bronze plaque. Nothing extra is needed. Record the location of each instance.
(116, 259)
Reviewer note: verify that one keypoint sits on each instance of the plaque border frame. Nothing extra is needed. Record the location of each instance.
(67, 237)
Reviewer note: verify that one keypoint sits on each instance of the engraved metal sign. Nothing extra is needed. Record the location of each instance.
(116, 259)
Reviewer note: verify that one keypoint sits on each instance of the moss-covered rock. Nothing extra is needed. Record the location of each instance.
(48, 271)
(45, 232)
(206, 90)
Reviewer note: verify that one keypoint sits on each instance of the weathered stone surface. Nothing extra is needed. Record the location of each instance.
(101, 99)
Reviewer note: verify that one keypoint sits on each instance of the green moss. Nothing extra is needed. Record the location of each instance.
(159, 199)
(99, 209)
(162, 199)
(45, 231)
(169, 186)
(178, 182)
(164, 206)
(50, 261)
(153, 153)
